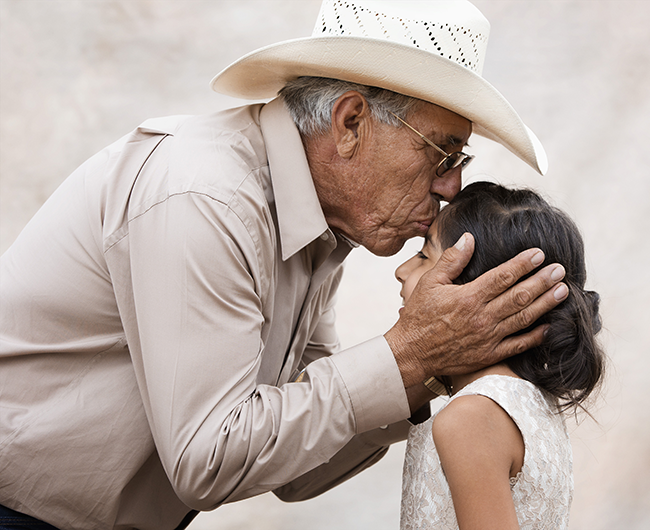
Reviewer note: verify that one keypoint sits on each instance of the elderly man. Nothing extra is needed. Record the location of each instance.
(167, 316)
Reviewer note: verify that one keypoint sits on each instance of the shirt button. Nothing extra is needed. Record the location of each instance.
(325, 236)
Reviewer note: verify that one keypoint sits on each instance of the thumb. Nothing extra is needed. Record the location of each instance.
(454, 260)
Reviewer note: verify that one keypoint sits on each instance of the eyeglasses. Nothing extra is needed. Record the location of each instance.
(450, 160)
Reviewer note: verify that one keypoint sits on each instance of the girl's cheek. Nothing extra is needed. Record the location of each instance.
(410, 286)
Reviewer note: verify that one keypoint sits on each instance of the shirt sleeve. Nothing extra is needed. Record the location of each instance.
(360, 453)
(363, 450)
(196, 340)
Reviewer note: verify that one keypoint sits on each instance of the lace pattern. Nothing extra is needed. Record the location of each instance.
(543, 489)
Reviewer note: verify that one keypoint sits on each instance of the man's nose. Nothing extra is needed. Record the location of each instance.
(448, 186)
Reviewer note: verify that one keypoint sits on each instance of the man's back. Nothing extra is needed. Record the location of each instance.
(73, 428)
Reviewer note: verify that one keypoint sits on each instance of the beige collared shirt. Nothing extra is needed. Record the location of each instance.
(153, 315)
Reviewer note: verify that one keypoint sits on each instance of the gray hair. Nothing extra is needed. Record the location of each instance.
(310, 101)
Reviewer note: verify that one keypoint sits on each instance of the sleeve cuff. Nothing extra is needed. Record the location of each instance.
(374, 383)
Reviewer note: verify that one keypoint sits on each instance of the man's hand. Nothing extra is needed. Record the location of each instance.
(447, 329)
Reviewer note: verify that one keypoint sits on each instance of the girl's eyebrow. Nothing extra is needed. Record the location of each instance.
(429, 239)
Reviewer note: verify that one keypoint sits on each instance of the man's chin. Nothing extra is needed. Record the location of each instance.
(385, 248)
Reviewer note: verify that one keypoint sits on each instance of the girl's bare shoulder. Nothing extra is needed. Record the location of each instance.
(477, 429)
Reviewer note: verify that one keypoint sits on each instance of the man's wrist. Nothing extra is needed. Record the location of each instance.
(409, 367)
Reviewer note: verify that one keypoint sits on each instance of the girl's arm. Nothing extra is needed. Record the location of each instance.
(480, 448)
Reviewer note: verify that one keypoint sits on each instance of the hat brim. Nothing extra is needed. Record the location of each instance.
(393, 66)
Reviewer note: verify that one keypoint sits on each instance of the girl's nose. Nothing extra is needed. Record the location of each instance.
(398, 274)
(402, 272)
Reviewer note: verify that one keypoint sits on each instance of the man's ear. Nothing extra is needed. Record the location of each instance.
(351, 123)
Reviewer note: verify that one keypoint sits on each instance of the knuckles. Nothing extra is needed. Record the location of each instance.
(523, 297)
(506, 276)
(525, 318)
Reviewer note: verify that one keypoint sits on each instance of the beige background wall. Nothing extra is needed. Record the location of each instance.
(77, 74)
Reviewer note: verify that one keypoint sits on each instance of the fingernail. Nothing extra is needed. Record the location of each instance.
(537, 259)
(558, 273)
(561, 292)
(460, 244)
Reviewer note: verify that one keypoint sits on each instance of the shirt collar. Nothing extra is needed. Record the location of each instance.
(300, 216)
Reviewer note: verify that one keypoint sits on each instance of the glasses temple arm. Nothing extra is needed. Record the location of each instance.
(421, 136)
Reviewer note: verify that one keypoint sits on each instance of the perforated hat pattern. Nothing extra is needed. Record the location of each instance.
(433, 50)
(459, 43)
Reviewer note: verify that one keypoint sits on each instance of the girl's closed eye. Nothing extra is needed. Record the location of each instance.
(410, 272)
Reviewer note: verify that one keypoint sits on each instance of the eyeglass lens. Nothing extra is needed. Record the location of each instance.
(452, 161)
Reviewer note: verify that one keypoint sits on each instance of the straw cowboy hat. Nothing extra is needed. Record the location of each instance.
(432, 50)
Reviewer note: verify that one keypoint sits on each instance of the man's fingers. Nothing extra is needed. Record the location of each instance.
(453, 261)
(529, 314)
(520, 343)
(496, 281)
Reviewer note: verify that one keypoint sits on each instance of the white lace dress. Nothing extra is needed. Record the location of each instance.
(542, 491)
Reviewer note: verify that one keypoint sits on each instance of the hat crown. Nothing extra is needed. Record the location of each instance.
(452, 29)
(431, 50)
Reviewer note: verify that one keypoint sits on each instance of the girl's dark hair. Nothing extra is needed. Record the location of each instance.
(569, 364)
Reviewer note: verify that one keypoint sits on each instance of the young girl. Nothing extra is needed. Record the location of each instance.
(497, 455)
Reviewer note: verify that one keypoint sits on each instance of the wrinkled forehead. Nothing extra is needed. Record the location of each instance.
(449, 127)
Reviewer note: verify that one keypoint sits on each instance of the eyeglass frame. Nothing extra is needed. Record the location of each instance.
(462, 159)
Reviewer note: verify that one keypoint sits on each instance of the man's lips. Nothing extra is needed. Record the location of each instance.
(424, 224)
